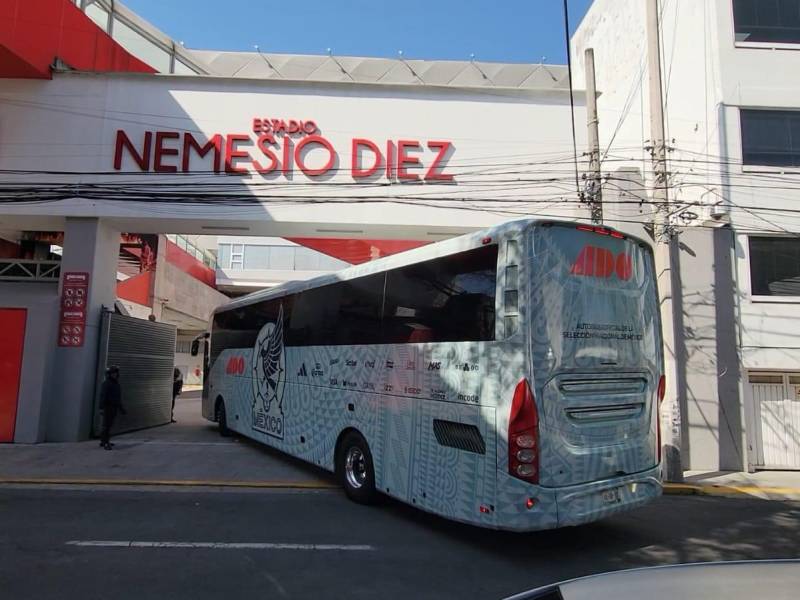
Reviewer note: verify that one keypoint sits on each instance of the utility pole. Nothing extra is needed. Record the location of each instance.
(594, 190)
(670, 415)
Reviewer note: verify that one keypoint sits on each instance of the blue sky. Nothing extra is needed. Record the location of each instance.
(501, 30)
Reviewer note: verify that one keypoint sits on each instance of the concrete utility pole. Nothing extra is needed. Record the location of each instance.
(670, 415)
(593, 184)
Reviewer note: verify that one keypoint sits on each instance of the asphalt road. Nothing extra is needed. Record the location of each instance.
(316, 544)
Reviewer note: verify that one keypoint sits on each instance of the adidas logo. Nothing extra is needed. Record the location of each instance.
(302, 372)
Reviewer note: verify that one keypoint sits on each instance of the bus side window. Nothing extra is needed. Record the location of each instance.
(450, 298)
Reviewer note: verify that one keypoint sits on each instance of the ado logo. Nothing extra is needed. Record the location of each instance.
(599, 262)
(235, 366)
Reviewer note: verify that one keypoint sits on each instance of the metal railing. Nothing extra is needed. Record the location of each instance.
(20, 269)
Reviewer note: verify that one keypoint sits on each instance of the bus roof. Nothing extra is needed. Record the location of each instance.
(402, 259)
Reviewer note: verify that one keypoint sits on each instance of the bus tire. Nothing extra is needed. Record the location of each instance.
(356, 469)
(222, 418)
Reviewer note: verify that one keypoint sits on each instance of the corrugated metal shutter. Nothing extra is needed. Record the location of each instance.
(144, 351)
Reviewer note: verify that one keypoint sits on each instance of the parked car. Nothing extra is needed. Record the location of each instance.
(746, 580)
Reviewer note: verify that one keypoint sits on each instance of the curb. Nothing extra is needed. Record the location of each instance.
(285, 485)
(732, 491)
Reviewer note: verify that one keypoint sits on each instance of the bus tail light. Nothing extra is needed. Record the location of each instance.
(662, 389)
(523, 435)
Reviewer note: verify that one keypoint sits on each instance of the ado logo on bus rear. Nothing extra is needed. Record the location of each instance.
(593, 261)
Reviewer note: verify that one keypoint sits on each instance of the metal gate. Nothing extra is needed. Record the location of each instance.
(776, 400)
(144, 351)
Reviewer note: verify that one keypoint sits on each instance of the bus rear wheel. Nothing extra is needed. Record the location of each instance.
(222, 418)
(356, 469)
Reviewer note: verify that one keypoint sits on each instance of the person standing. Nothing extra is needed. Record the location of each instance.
(110, 404)
(177, 387)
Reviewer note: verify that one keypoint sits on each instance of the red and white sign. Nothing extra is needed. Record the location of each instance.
(276, 147)
(72, 319)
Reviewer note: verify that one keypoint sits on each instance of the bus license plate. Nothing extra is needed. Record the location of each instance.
(611, 496)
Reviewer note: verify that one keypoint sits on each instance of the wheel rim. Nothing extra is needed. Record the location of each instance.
(355, 467)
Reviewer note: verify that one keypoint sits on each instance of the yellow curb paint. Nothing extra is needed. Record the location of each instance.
(312, 485)
(682, 488)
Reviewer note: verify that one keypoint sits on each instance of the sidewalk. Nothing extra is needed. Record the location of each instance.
(189, 452)
(767, 485)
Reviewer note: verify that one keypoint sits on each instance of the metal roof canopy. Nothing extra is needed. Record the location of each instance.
(387, 71)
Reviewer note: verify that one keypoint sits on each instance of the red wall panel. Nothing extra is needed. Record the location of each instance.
(189, 264)
(137, 288)
(12, 342)
(357, 251)
(35, 32)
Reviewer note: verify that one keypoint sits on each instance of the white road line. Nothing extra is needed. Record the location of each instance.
(219, 545)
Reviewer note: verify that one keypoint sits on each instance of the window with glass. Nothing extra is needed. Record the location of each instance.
(443, 300)
(775, 266)
(237, 256)
(770, 137)
(768, 21)
(339, 314)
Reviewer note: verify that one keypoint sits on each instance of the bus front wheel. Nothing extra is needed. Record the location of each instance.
(356, 470)
(222, 418)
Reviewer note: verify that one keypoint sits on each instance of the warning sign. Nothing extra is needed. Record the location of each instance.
(72, 321)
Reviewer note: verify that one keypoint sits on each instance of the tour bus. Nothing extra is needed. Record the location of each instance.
(509, 378)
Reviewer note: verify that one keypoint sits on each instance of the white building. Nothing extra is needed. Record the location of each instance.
(247, 263)
(732, 112)
(318, 150)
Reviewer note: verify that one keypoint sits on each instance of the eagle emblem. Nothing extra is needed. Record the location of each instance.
(268, 369)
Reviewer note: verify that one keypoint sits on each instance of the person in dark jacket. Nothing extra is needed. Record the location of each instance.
(177, 387)
(110, 404)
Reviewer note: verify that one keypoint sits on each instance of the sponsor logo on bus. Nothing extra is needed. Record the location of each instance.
(599, 262)
(269, 378)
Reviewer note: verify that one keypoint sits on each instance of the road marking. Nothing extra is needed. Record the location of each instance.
(219, 545)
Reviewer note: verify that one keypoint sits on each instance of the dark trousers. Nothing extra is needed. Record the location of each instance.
(173, 405)
(109, 414)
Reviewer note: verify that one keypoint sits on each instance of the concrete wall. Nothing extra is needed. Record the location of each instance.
(697, 77)
(708, 367)
(90, 245)
(182, 293)
(37, 387)
(691, 88)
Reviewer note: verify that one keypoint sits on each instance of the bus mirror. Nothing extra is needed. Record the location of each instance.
(195, 347)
